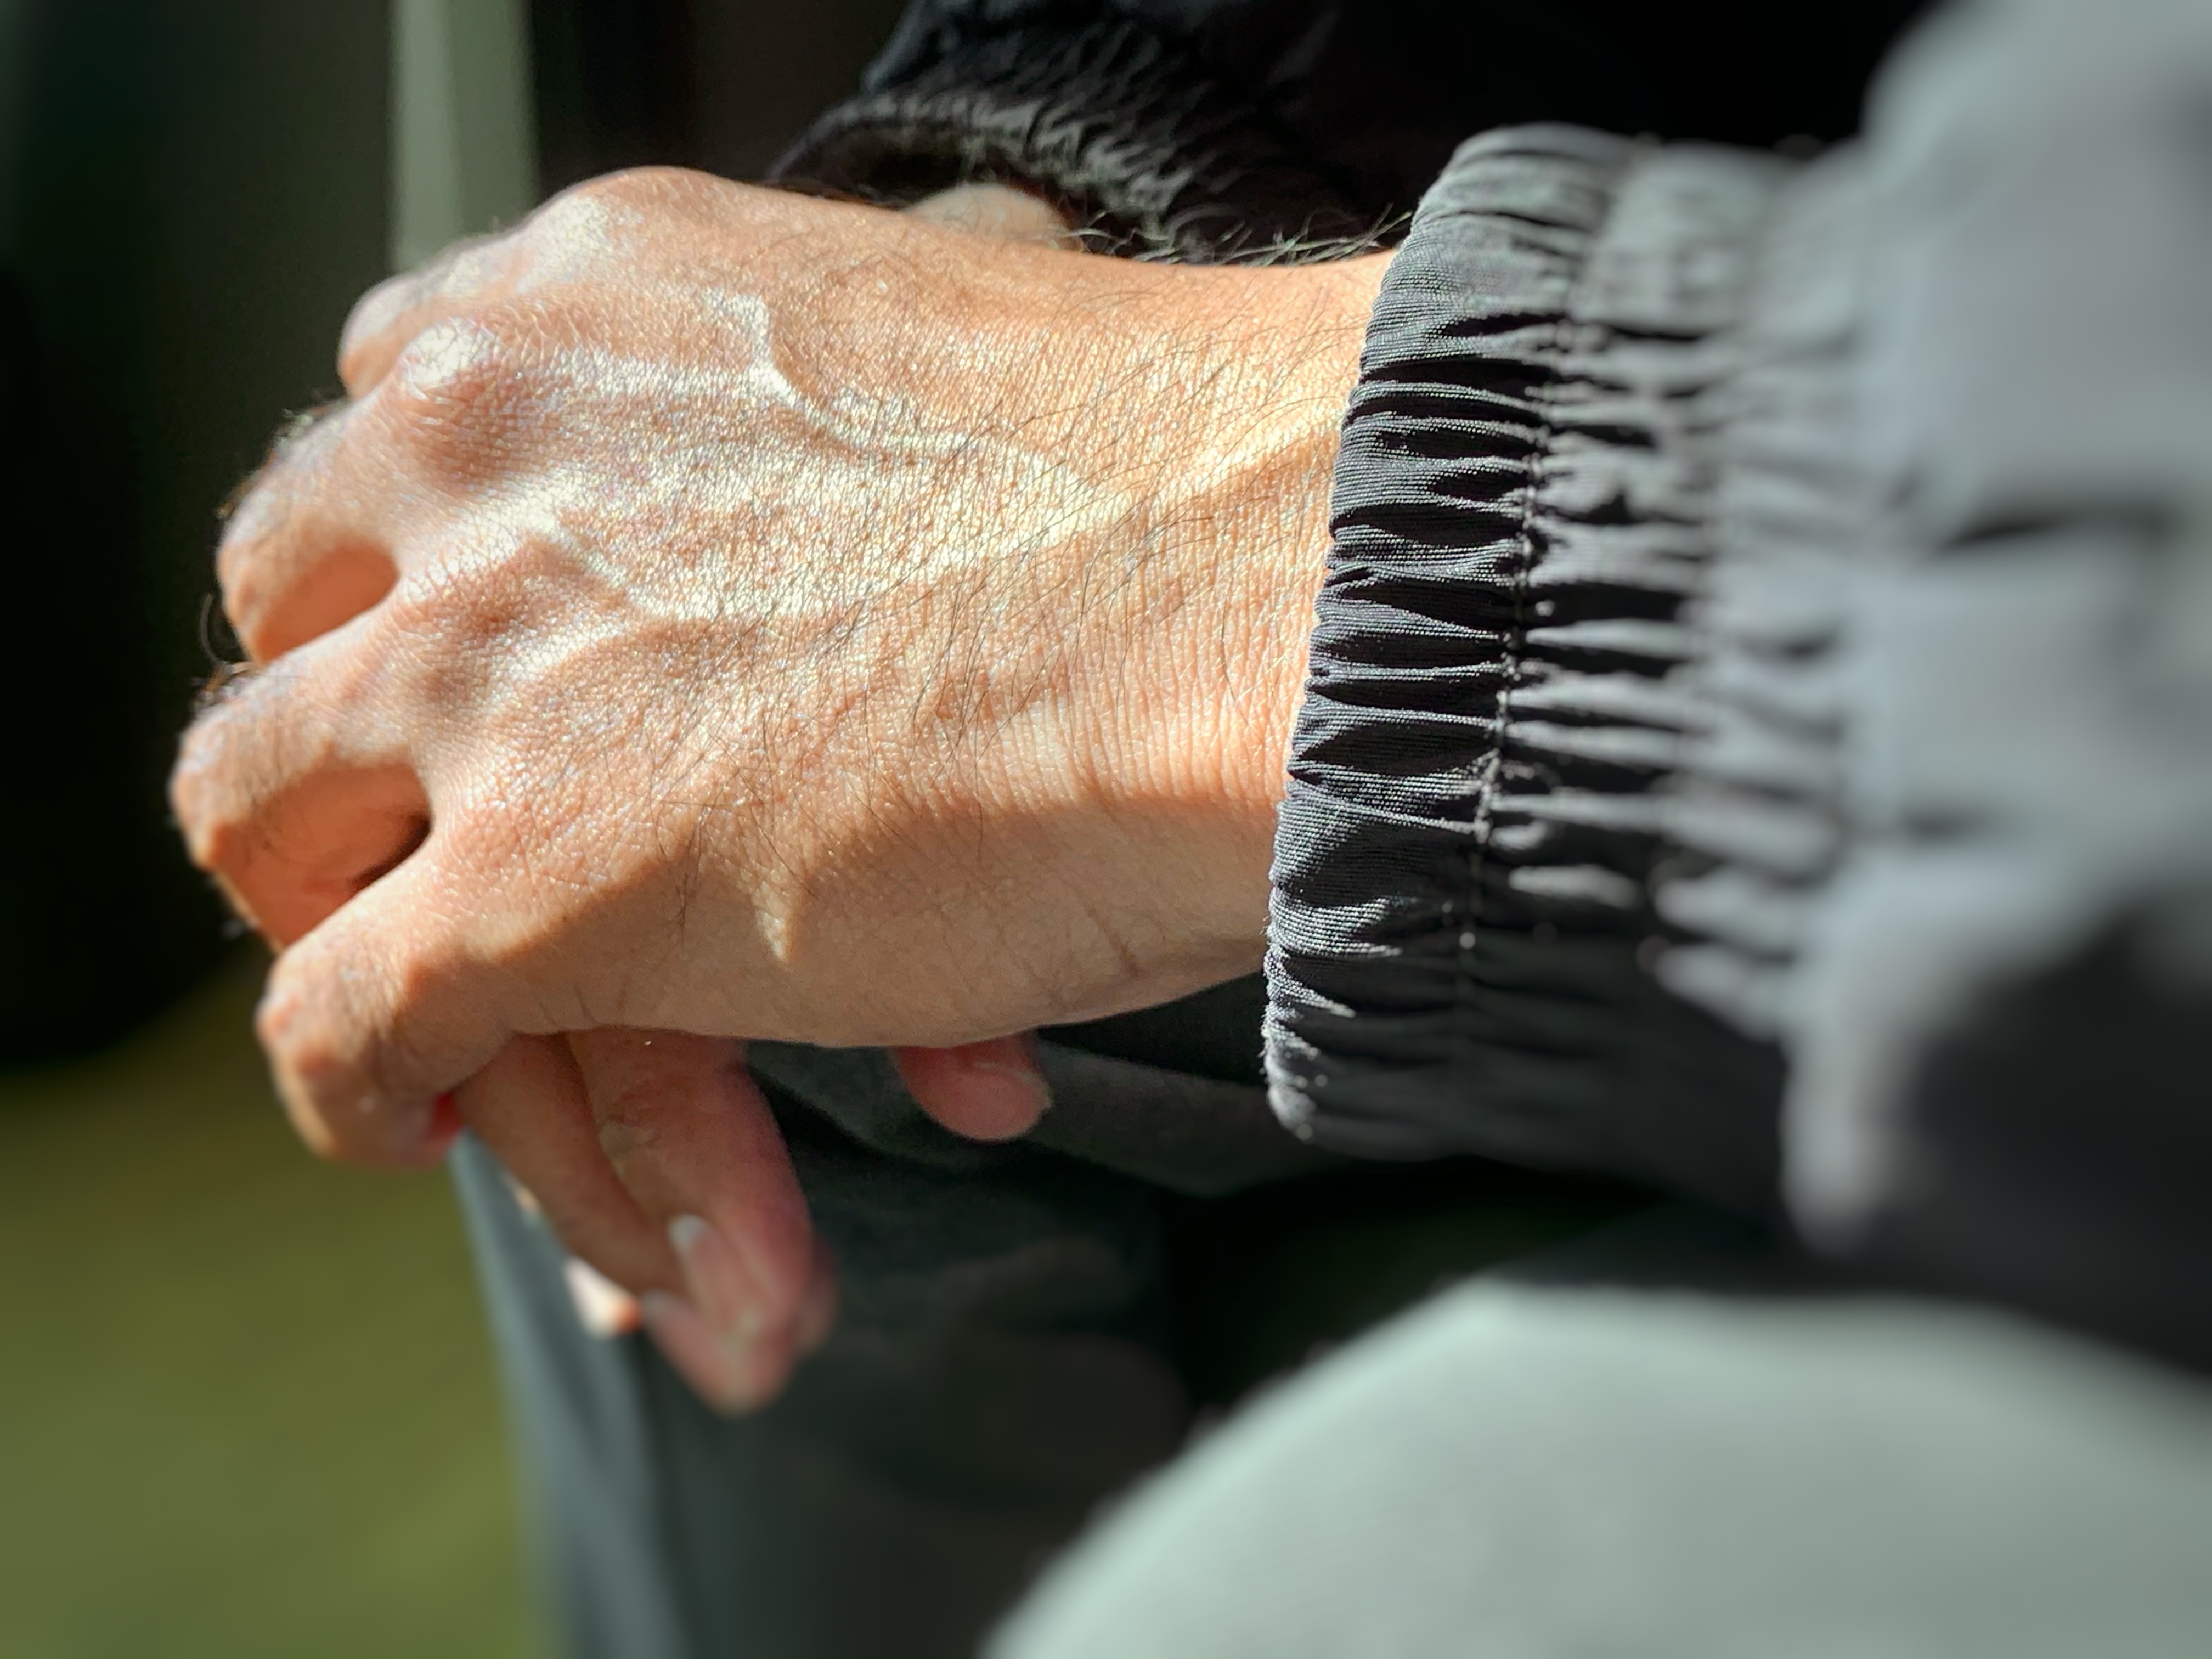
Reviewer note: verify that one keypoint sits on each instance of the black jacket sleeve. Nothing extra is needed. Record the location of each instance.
(1759, 720)
(1124, 125)
(1463, 918)
(1180, 125)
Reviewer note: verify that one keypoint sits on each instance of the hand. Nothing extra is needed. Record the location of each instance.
(727, 614)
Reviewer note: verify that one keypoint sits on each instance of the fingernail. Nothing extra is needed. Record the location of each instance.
(728, 1293)
(1004, 1092)
(525, 1199)
(690, 1345)
(1031, 1079)
(603, 1307)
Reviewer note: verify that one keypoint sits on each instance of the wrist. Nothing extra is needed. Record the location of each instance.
(1237, 533)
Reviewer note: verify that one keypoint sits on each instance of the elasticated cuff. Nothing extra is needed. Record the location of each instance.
(1120, 125)
(1462, 921)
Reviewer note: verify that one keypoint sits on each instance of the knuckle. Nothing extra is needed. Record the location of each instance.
(266, 512)
(469, 266)
(628, 1131)
(577, 220)
(210, 798)
(353, 1059)
(460, 391)
(258, 736)
(372, 313)
(449, 367)
(602, 213)
(607, 225)
(196, 799)
(294, 1026)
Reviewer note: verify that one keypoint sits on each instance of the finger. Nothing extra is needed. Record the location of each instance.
(733, 1382)
(529, 1106)
(293, 792)
(603, 1307)
(377, 1014)
(756, 1373)
(304, 546)
(390, 315)
(692, 1138)
(817, 1315)
(582, 229)
(992, 1090)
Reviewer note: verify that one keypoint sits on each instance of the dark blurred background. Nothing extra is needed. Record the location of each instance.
(245, 1407)
(191, 194)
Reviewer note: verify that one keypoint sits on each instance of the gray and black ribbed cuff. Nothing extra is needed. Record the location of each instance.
(1462, 915)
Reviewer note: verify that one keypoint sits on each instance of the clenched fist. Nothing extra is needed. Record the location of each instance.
(722, 615)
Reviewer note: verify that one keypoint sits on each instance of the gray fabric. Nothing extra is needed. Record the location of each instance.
(1945, 797)
(582, 1420)
(996, 1370)
(1012, 1348)
(1668, 1444)
(1957, 701)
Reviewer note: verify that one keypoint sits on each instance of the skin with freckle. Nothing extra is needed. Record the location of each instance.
(731, 614)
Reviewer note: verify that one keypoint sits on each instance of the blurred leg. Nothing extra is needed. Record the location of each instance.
(994, 1374)
(1022, 1327)
(996, 1370)
(582, 1430)
(1673, 1445)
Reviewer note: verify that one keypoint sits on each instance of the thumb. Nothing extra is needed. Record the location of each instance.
(372, 1017)
(992, 1090)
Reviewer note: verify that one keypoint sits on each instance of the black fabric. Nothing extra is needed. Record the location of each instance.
(1119, 124)
(1212, 128)
(1375, 94)
(1462, 917)
(996, 1371)
(2059, 1143)
(1214, 1033)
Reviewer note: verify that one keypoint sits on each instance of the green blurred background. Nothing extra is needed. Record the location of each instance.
(246, 1407)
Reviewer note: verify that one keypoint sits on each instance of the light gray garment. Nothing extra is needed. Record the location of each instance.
(1547, 1466)
(1010, 1351)
(1960, 620)
(1959, 632)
